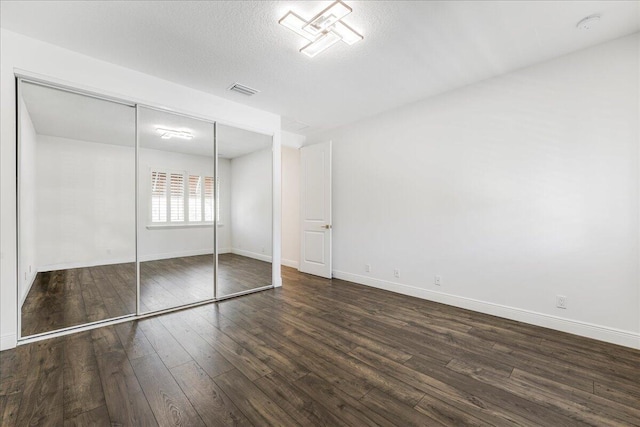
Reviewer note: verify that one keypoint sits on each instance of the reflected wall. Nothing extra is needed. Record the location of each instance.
(245, 238)
(76, 213)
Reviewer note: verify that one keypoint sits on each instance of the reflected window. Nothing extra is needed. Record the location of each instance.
(181, 197)
(177, 197)
(195, 198)
(158, 196)
(209, 199)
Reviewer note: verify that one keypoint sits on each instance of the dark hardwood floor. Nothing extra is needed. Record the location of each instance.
(59, 299)
(178, 281)
(320, 352)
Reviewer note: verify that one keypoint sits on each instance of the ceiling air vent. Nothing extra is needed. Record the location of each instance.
(245, 90)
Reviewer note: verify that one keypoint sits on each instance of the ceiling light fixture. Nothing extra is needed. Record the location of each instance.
(323, 30)
(170, 133)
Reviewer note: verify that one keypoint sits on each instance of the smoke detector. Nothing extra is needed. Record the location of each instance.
(588, 22)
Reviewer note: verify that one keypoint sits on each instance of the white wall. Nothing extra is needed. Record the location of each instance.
(290, 206)
(20, 53)
(28, 182)
(85, 203)
(252, 205)
(514, 190)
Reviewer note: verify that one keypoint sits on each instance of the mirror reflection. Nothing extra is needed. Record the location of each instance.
(79, 206)
(176, 191)
(245, 210)
(76, 221)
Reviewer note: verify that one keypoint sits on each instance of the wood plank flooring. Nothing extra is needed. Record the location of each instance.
(320, 352)
(59, 299)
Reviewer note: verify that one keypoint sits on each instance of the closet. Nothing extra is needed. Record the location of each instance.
(126, 210)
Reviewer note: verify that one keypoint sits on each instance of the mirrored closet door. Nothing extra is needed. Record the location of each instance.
(126, 210)
(245, 181)
(76, 209)
(176, 208)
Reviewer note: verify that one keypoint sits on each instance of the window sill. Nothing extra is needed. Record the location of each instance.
(172, 226)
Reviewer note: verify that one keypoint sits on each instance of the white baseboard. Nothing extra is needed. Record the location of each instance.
(178, 254)
(249, 254)
(8, 341)
(143, 258)
(290, 263)
(83, 264)
(224, 251)
(589, 330)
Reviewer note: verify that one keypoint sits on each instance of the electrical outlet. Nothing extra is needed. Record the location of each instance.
(438, 280)
(29, 269)
(25, 275)
(561, 301)
(396, 273)
(367, 268)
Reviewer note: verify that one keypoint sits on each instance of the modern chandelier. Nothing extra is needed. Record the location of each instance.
(323, 30)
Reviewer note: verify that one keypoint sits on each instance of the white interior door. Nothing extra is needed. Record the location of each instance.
(315, 209)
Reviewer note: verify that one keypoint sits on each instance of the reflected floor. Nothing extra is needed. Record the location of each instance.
(63, 298)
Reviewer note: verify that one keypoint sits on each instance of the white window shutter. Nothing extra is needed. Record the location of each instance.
(209, 195)
(195, 198)
(176, 195)
(158, 197)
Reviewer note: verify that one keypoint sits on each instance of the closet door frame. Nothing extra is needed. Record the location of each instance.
(34, 78)
(20, 79)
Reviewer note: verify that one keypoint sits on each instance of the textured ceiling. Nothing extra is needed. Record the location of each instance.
(411, 50)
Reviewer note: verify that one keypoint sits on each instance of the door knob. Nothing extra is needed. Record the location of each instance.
(327, 226)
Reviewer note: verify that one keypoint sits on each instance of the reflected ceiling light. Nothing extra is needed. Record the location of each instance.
(323, 30)
(170, 133)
